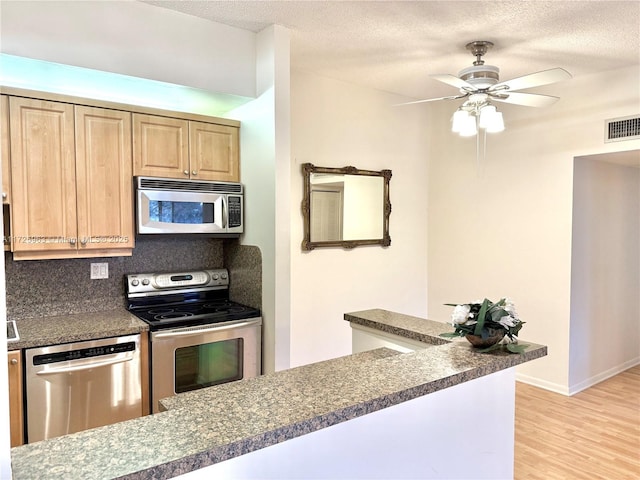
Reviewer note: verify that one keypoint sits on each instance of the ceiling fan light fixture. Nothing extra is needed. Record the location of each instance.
(468, 127)
(496, 124)
(458, 119)
(490, 119)
(480, 85)
(487, 114)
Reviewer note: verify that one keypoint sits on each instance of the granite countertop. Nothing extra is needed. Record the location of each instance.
(53, 330)
(414, 328)
(211, 425)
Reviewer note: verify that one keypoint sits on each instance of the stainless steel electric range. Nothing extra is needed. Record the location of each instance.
(199, 337)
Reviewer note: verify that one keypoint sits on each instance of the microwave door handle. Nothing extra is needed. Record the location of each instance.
(224, 214)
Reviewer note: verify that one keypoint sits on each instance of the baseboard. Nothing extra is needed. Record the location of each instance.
(591, 381)
(573, 389)
(537, 382)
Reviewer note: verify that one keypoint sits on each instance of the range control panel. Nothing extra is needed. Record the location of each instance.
(145, 283)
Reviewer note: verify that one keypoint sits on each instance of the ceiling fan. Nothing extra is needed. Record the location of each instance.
(480, 84)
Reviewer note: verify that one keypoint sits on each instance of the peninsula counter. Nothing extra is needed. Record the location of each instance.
(373, 414)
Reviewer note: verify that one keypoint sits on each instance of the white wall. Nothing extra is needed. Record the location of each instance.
(605, 271)
(132, 38)
(336, 124)
(265, 147)
(505, 229)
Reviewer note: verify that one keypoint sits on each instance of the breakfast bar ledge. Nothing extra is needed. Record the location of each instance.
(442, 411)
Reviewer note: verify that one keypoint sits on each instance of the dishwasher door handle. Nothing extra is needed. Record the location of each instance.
(87, 366)
(196, 331)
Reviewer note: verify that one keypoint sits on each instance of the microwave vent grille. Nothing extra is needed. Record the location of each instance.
(149, 183)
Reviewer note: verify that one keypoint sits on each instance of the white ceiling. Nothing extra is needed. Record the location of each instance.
(394, 45)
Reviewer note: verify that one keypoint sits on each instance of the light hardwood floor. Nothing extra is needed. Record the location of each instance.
(592, 435)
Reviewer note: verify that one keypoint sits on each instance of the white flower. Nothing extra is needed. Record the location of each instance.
(510, 308)
(506, 339)
(460, 314)
(507, 321)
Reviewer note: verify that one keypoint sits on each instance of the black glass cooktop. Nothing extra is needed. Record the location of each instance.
(173, 315)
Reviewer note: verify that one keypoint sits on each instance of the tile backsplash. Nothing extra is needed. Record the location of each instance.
(56, 287)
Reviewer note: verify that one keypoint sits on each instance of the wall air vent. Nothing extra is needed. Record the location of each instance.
(624, 128)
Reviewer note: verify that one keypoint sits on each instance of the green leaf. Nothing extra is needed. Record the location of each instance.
(481, 314)
(516, 348)
(451, 334)
(516, 329)
(497, 346)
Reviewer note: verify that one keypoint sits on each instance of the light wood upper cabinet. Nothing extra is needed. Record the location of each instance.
(15, 398)
(175, 148)
(160, 146)
(103, 178)
(4, 149)
(43, 177)
(213, 150)
(71, 180)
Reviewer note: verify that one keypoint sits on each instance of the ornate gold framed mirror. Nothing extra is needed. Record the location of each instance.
(345, 207)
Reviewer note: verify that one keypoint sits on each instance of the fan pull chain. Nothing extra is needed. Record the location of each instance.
(481, 151)
(484, 150)
(478, 154)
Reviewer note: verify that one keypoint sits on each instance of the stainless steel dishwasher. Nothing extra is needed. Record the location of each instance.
(77, 386)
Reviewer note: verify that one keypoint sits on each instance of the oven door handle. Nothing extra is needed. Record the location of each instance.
(196, 331)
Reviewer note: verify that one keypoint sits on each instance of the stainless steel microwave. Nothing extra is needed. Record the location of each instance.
(170, 206)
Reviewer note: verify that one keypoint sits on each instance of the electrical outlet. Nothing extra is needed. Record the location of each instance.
(99, 271)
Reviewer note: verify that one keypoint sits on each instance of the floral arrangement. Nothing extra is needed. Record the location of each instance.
(487, 321)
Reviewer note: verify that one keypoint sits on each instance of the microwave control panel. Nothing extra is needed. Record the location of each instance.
(235, 211)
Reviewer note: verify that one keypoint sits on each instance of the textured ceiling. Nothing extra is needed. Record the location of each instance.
(394, 46)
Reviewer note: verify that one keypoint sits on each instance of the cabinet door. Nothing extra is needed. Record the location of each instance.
(15, 398)
(104, 178)
(4, 149)
(43, 180)
(214, 152)
(160, 146)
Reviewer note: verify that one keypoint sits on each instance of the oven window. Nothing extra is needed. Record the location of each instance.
(180, 212)
(208, 364)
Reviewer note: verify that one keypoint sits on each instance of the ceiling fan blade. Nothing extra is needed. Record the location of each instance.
(454, 97)
(526, 99)
(537, 79)
(453, 81)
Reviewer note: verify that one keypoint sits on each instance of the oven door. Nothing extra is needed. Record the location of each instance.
(190, 358)
(166, 211)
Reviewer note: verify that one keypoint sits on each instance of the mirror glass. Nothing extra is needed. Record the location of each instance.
(345, 207)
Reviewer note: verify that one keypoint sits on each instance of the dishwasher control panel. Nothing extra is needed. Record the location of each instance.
(83, 353)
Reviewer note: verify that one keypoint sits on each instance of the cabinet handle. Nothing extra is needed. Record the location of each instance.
(83, 241)
(194, 172)
(72, 241)
(4, 195)
(186, 172)
(14, 361)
